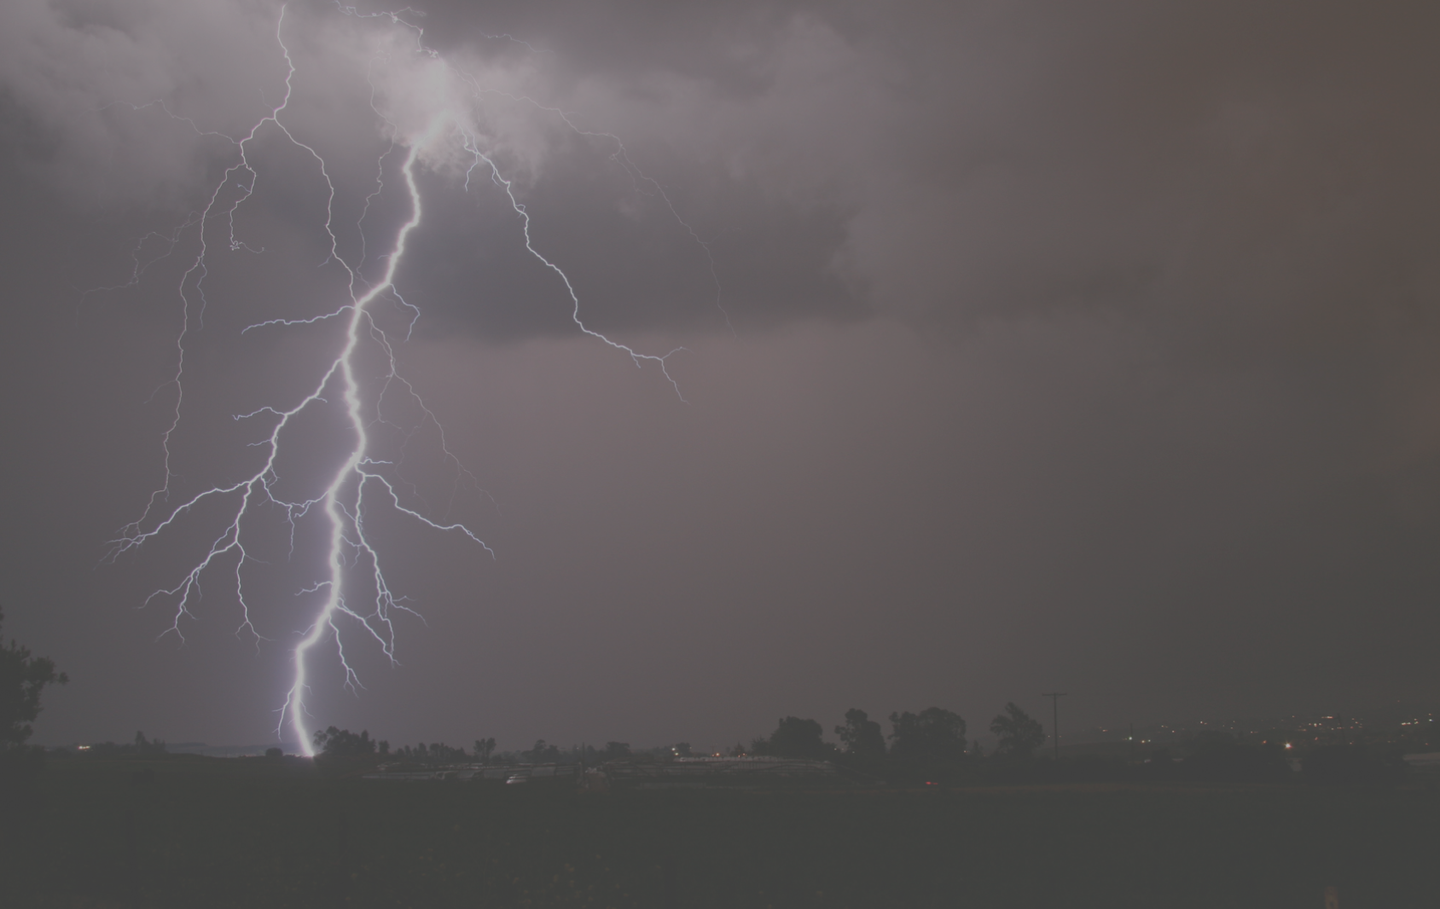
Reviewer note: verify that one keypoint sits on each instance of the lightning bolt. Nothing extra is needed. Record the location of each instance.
(352, 587)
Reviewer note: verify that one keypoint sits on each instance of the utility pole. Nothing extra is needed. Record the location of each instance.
(1055, 697)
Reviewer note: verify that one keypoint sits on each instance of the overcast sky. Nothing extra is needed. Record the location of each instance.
(1028, 346)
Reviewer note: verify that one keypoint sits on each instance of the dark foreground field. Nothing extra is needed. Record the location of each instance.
(204, 833)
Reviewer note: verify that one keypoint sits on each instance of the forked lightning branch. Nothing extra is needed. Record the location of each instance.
(351, 587)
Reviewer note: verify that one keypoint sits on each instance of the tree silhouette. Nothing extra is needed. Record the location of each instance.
(340, 751)
(484, 748)
(343, 743)
(22, 678)
(933, 734)
(796, 738)
(1020, 736)
(863, 740)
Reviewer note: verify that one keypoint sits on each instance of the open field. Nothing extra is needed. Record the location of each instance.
(212, 832)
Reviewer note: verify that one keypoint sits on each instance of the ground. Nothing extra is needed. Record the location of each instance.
(215, 833)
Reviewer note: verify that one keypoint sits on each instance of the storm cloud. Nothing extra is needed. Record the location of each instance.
(1027, 345)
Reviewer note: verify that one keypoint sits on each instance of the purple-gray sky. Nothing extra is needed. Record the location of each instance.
(1047, 345)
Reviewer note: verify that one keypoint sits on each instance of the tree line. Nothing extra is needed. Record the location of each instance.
(930, 743)
(342, 744)
(929, 747)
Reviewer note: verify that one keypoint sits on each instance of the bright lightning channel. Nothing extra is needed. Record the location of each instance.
(358, 481)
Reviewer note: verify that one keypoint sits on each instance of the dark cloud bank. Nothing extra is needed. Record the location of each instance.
(1086, 346)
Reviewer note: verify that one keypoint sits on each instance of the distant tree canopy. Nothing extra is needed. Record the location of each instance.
(1020, 736)
(615, 751)
(926, 748)
(795, 738)
(484, 748)
(22, 678)
(932, 735)
(434, 753)
(343, 743)
(861, 736)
